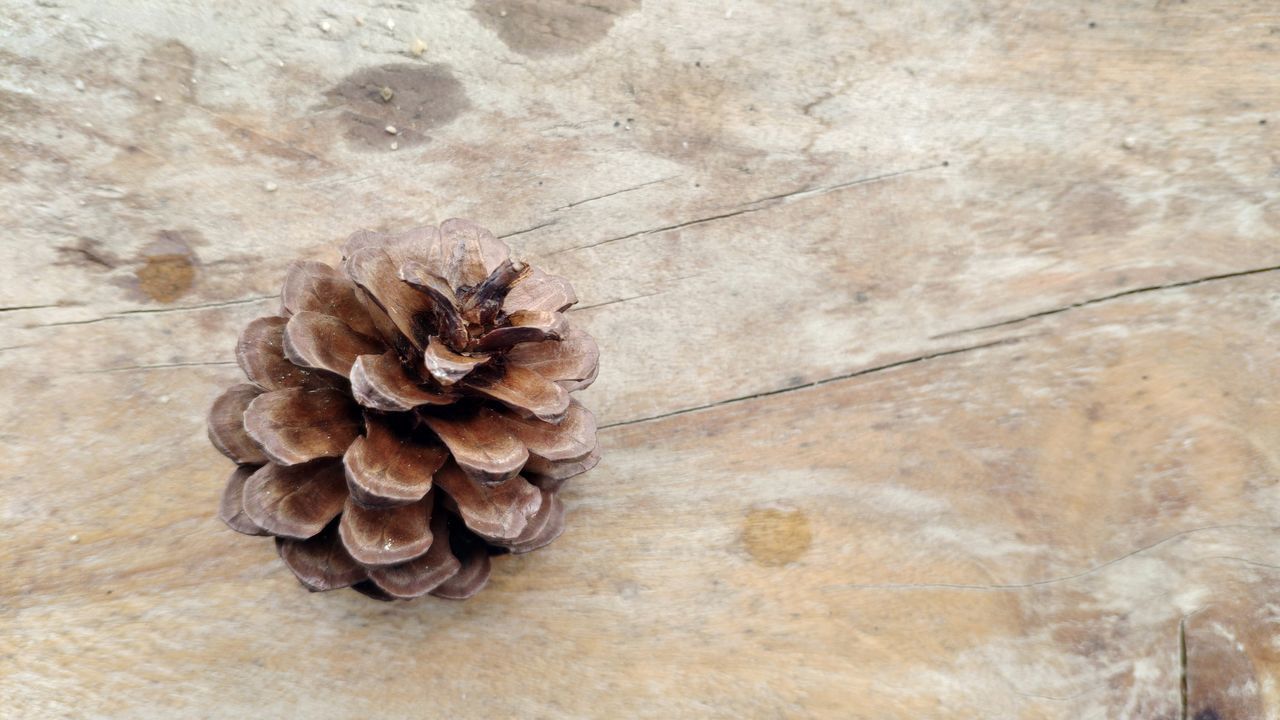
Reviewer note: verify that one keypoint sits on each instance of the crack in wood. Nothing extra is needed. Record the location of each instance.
(1106, 298)
(157, 311)
(539, 226)
(758, 205)
(1094, 301)
(614, 301)
(1182, 664)
(15, 308)
(815, 383)
(1246, 561)
(664, 228)
(584, 201)
(201, 306)
(159, 366)
(805, 193)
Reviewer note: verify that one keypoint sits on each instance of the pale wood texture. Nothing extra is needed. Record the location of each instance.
(939, 351)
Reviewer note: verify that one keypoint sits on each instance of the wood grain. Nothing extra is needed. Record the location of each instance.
(938, 346)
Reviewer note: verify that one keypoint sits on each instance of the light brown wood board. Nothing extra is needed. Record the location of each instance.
(939, 351)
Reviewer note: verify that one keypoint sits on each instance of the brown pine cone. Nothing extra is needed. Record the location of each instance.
(408, 415)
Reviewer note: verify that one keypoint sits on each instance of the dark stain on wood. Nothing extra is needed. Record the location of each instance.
(689, 114)
(166, 72)
(776, 536)
(549, 27)
(411, 98)
(165, 278)
(168, 267)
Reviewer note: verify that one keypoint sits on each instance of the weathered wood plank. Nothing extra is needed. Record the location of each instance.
(1055, 193)
(1017, 531)
(938, 346)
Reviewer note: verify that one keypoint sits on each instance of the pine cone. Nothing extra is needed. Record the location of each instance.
(408, 415)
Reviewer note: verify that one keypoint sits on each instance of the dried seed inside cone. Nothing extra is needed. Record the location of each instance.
(407, 414)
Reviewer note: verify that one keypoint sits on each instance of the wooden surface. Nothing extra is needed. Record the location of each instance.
(939, 351)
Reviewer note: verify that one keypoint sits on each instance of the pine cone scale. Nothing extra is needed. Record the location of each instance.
(260, 354)
(323, 342)
(296, 425)
(421, 575)
(469, 253)
(226, 425)
(543, 528)
(231, 510)
(527, 326)
(526, 392)
(408, 414)
(574, 358)
(573, 439)
(481, 445)
(295, 501)
(386, 536)
(446, 366)
(373, 270)
(471, 576)
(573, 385)
(552, 475)
(385, 469)
(382, 383)
(321, 562)
(538, 290)
(314, 286)
(444, 304)
(494, 511)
